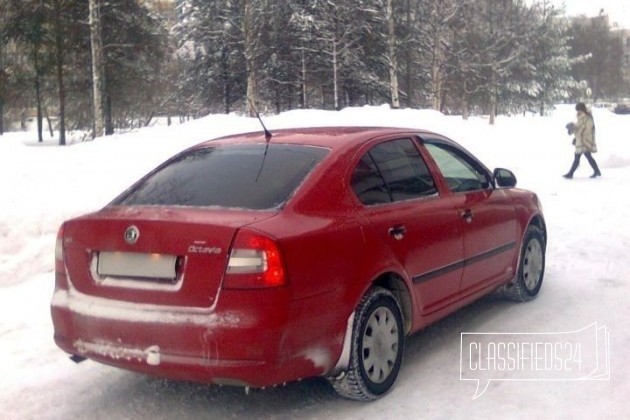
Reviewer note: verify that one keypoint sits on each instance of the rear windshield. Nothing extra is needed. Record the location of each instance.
(241, 176)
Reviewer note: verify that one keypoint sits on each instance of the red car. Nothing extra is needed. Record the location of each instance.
(255, 261)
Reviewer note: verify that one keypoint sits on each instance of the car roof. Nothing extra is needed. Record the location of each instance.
(329, 137)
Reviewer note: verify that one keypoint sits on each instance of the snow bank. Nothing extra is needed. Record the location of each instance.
(587, 277)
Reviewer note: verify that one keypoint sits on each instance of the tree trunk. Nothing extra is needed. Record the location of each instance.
(109, 121)
(40, 117)
(408, 64)
(98, 77)
(493, 107)
(392, 59)
(1, 116)
(465, 110)
(3, 76)
(493, 96)
(250, 38)
(335, 87)
(278, 98)
(303, 80)
(50, 127)
(38, 94)
(226, 79)
(59, 47)
(436, 72)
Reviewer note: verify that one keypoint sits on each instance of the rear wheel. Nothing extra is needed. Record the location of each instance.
(377, 348)
(531, 268)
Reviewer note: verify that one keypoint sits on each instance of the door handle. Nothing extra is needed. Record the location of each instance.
(397, 232)
(467, 215)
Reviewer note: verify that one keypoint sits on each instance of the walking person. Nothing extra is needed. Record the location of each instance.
(584, 130)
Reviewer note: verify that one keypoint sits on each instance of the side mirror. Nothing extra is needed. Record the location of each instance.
(504, 178)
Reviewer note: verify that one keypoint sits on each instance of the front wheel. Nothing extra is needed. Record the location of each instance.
(377, 348)
(531, 267)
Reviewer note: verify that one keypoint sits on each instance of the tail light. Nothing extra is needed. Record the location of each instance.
(61, 281)
(255, 262)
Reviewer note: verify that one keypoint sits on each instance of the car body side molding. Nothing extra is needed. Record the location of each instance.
(459, 264)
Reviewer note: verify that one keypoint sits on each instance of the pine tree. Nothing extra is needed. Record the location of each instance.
(548, 58)
(135, 51)
(25, 23)
(209, 44)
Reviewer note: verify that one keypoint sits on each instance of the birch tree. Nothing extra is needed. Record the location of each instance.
(98, 68)
(436, 42)
(392, 58)
(58, 25)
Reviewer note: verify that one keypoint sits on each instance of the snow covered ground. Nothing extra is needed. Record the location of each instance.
(587, 278)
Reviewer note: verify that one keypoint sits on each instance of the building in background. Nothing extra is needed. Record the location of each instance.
(624, 37)
(607, 44)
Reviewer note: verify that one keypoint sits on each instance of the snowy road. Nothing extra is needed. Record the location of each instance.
(587, 280)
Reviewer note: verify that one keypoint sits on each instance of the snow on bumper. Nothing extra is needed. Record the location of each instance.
(253, 348)
(150, 355)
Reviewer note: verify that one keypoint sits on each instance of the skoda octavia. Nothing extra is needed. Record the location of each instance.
(255, 260)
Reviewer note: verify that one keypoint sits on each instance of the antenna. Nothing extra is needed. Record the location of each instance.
(268, 134)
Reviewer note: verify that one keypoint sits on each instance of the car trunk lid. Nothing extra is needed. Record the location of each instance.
(156, 255)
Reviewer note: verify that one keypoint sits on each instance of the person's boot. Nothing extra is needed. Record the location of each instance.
(576, 162)
(596, 171)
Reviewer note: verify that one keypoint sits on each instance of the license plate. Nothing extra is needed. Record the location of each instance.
(137, 265)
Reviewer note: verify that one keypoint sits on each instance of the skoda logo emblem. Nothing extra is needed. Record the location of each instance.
(131, 235)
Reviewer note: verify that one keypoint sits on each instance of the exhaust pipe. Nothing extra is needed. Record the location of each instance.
(77, 359)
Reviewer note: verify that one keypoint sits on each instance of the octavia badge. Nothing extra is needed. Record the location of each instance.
(131, 235)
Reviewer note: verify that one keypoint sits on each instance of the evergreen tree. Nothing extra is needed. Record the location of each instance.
(25, 23)
(135, 45)
(436, 36)
(209, 44)
(548, 58)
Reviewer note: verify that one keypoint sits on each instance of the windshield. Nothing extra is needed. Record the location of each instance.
(242, 176)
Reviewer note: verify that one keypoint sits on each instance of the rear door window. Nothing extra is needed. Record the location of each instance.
(392, 171)
(243, 176)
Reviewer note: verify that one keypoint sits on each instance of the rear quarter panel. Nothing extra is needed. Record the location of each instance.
(329, 260)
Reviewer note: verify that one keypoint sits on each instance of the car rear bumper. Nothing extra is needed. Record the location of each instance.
(260, 346)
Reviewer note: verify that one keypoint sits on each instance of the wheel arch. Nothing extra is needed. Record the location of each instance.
(518, 289)
(397, 286)
(539, 222)
(392, 282)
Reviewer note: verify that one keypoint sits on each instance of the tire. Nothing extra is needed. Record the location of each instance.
(377, 348)
(531, 269)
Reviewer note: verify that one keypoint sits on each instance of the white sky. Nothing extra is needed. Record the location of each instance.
(619, 10)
